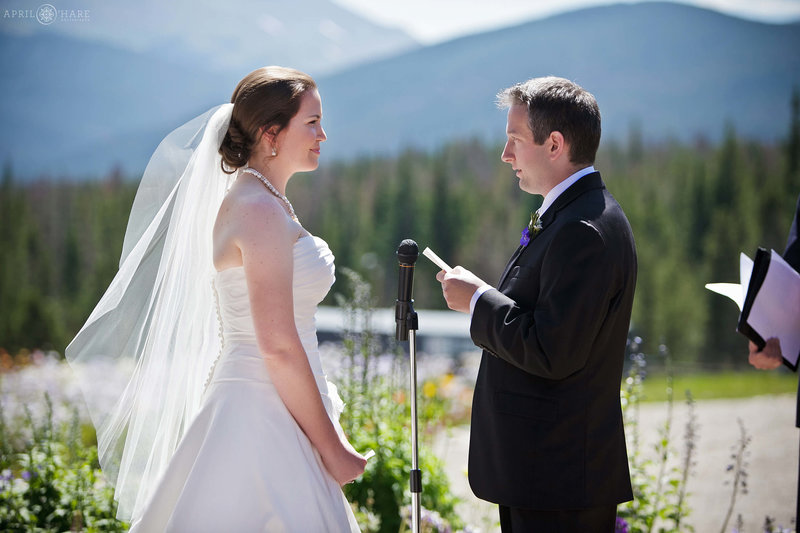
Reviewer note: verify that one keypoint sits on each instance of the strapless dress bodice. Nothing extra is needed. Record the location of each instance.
(313, 276)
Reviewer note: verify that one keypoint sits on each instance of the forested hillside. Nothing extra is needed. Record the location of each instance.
(693, 206)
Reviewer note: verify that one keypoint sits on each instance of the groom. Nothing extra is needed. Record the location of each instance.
(547, 441)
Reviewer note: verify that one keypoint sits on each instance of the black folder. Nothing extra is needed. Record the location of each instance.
(761, 264)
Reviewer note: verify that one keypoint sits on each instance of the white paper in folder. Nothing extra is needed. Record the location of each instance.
(776, 307)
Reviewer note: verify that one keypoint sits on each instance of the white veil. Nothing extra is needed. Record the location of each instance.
(155, 330)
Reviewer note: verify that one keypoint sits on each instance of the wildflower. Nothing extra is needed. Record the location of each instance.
(429, 389)
(399, 397)
(430, 521)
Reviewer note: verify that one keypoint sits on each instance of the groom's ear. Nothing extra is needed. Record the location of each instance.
(556, 145)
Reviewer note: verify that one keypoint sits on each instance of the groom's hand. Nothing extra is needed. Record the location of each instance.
(458, 286)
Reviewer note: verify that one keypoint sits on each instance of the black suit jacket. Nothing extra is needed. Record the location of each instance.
(547, 427)
(792, 256)
(792, 252)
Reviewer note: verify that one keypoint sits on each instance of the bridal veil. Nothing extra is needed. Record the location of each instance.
(156, 328)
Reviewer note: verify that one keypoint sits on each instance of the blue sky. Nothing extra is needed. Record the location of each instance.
(431, 21)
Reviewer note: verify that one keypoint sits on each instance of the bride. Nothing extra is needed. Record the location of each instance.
(226, 421)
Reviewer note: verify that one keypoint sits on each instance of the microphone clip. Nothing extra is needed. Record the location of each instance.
(406, 319)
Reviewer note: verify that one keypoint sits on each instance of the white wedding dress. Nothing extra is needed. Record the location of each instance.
(244, 465)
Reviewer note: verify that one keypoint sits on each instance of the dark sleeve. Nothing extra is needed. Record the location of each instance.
(792, 252)
(554, 339)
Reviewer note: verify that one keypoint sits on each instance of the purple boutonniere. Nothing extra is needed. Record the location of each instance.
(534, 227)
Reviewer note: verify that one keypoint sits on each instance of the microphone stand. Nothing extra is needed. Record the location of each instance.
(415, 476)
(407, 325)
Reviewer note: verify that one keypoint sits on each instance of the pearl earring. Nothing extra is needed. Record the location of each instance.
(274, 153)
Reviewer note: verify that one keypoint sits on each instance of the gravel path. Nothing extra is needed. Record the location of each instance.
(772, 462)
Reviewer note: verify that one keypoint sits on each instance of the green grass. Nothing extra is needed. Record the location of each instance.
(706, 386)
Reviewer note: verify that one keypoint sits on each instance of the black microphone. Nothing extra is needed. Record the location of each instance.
(405, 317)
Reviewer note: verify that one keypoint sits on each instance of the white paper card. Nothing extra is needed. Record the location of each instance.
(427, 252)
(736, 291)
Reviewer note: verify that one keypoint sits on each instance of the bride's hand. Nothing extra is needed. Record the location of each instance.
(346, 466)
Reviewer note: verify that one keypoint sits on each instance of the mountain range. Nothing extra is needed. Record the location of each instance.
(79, 96)
(79, 100)
(669, 70)
(224, 37)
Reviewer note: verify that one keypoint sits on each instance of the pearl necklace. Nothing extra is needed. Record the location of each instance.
(272, 189)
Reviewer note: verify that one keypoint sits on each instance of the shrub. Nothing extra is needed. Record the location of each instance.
(53, 483)
(373, 386)
(659, 485)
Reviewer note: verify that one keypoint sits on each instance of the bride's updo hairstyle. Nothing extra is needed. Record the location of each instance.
(267, 97)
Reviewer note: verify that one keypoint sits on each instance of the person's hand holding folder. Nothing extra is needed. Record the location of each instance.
(769, 300)
(768, 358)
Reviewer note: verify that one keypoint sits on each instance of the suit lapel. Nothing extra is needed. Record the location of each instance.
(586, 183)
(510, 264)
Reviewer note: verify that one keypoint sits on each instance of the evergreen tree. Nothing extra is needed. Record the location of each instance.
(693, 208)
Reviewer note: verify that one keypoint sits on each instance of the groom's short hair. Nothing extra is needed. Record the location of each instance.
(557, 104)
